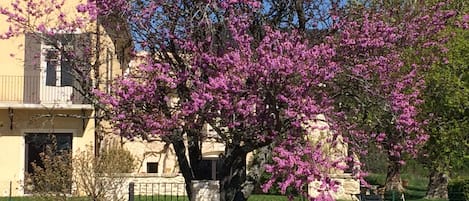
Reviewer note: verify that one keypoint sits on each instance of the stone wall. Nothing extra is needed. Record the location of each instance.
(151, 185)
(206, 190)
(348, 187)
(203, 190)
(148, 184)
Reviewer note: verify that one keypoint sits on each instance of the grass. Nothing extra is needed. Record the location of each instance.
(260, 197)
(165, 198)
(415, 190)
(30, 198)
(137, 198)
(271, 198)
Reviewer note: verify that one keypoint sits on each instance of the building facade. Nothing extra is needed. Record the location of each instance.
(44, 98)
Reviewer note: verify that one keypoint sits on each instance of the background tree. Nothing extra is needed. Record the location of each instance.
(382, 91)
(447, 108)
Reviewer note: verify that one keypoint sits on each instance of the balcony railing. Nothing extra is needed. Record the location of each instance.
(33, 90)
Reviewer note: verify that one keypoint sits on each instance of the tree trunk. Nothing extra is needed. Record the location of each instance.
(97, 121)
(256, 169)
(393, 177)
(184, 166)
(233, 175)
(437, 186)
(195, 152)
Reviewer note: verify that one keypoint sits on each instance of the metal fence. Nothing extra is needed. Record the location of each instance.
(157, 192)
(169, 192)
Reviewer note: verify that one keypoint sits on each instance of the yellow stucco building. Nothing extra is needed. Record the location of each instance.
(41, 96)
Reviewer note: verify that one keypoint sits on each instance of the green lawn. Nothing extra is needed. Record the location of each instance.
(272, 198)
(415, 191)
(251, 198)
(28, 198)
(165, 198)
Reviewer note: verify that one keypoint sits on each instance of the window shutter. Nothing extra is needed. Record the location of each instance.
(32, 53)
(66, 62)
(66, 72)
(32, 69)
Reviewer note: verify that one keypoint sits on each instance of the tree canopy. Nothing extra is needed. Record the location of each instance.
(447, 109)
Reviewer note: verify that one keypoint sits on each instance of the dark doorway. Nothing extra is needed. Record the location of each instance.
(37, 143)
(208, 169)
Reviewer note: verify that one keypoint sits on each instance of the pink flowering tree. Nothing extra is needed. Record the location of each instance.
(258, 83)
(384, 56)
(252, 92)
(266, 74)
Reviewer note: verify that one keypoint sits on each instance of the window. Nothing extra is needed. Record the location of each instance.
(58, 61)
(52, 62)
(152, 167)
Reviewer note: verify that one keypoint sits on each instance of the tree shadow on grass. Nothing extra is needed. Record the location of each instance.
(415, 188)
(412, 196)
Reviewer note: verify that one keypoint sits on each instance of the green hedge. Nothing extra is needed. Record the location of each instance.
(458, 190)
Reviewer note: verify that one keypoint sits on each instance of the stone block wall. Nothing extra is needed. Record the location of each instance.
(348, 187)
(147, 185)
(206, 190)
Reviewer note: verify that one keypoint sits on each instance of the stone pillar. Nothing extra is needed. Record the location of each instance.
(205, 190)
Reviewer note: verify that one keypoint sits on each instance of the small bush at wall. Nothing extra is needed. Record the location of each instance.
(116, 160)
(101, 178)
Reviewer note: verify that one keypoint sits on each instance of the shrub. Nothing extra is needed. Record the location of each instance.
(101, 178)
(458, 190)
(116, 160)
(52, 180)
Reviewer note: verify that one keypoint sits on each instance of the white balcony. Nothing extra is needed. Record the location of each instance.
(33, 90)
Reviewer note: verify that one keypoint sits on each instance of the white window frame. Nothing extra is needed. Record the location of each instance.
(44, 60)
